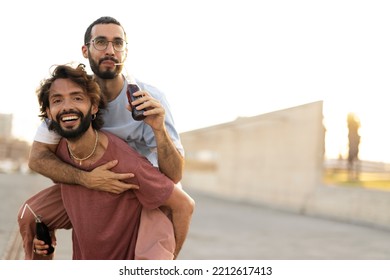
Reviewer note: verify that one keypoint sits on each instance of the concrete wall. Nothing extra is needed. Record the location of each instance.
(276, 159)
(356, 205)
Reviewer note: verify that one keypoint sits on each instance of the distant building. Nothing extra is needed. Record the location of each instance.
(14, 149)
(274, 159)
(5, 126)
(277, 160)
(13, 152)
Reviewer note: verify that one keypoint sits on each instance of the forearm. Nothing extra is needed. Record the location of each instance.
(170, 161)
(46, 163)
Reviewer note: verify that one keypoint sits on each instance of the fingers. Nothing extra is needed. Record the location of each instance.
(103, 179)
(154, 111)
(121, 187)
(109, 165)
(112, 175)
(39, 247)
(145, 101)
(142, 93)
(122, 176)
(104, 171)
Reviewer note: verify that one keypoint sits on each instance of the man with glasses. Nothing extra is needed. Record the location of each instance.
(105, 46)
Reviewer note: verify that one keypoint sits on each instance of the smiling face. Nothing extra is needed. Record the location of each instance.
(70, 109)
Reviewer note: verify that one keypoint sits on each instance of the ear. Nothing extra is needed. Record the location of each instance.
(94, 109)
(84, 50)
(126, 54)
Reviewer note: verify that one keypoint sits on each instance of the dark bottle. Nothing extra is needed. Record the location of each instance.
(137, 114)
(43, 234)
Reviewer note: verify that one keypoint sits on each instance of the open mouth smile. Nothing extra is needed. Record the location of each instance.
(69, 118)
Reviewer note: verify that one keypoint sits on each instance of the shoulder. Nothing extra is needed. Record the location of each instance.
(112, 138)
(118, 146)
(154, 91)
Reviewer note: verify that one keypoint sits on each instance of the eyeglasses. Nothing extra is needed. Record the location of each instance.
(101, 44)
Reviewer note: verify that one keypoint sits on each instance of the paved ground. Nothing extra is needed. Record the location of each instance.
(224, 230)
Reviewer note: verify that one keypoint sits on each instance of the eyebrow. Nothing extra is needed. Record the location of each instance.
(56, 94)
(104, 37)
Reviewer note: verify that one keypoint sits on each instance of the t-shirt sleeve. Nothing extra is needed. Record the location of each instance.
(154, 187)
(169, 120)
(45, 135)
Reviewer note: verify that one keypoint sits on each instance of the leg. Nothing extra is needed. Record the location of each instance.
(48, 204)
(156, 237)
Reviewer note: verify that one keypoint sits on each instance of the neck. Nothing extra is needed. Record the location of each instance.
(111, 88)
(84, 147)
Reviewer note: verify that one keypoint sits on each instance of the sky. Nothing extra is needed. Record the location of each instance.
(218, 60)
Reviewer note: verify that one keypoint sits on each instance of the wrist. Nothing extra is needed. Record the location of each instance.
(161, 130)
(82, 178)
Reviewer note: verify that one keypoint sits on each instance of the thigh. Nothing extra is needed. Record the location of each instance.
(156, 237)
(49, 206)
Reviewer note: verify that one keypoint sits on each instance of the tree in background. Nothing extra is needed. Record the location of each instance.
(353, 141)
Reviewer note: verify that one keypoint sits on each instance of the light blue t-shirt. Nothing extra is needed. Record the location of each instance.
(118, 120)
(139, 135)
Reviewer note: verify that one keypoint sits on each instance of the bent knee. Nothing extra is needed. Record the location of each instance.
(25, 217)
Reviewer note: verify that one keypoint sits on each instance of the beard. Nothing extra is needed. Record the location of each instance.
(107, 74)
(76, 133)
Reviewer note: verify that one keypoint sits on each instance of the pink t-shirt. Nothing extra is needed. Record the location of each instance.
(105, 225)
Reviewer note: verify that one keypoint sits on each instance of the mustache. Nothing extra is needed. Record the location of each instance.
(108, 58)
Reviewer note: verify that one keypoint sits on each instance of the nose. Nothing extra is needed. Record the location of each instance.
(67, 104)
(110, 48)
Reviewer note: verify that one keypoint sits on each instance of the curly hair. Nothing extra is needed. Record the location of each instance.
(79, 76)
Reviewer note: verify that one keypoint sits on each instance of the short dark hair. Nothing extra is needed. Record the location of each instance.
(79, 76)
(101, 20)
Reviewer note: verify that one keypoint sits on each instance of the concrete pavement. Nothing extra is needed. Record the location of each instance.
(224, 229)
